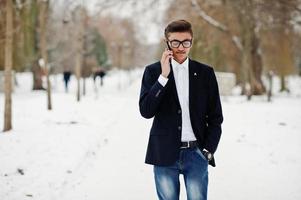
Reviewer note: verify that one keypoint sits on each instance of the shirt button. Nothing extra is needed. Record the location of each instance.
(179, 128)
(179, 111)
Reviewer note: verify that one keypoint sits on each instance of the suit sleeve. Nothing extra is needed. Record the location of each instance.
(214, 115)
(151, 94)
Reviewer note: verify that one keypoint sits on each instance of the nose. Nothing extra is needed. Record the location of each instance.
(181, 47)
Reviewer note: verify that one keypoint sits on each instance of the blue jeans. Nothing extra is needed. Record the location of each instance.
(194, 167)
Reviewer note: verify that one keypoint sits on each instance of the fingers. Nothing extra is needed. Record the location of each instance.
(167, 54)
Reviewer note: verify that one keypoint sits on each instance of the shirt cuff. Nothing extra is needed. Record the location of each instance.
(162, 80)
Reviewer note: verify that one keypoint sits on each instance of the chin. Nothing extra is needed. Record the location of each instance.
(182, 57)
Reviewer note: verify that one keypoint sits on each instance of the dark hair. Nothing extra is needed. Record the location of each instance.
(178, 26)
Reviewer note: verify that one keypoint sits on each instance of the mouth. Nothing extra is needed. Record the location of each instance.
(180, 52)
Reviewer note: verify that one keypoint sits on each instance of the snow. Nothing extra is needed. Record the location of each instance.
(94, 149)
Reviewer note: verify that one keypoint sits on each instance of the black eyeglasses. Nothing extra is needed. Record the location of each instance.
(177, 43)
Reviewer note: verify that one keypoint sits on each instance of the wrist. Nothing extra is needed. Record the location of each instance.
(207, 154)
(164, 75)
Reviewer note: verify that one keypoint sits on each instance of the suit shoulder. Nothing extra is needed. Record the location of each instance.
(202, 66)
(155, 65)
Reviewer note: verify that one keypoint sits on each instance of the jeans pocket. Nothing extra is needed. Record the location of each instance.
(199, 152)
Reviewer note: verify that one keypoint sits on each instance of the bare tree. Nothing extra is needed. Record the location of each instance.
(43, 16)
(247, 42)
(79, 45)
(272, 19)
(251, 58)
(8, 66)
(277, 25)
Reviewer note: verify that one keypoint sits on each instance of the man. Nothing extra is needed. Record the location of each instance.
(183, 98)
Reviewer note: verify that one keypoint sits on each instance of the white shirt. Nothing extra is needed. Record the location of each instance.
(181, 75)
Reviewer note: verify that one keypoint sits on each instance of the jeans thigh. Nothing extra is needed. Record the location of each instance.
(196, 175)
(167, 182)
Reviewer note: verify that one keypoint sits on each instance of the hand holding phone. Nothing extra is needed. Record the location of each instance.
(166, 61)
(168, 46)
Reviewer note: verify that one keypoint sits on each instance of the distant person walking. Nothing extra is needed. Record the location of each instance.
(182, 95)
(66, 76)
(99, 72)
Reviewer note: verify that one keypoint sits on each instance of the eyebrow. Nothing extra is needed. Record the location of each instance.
(181, 40)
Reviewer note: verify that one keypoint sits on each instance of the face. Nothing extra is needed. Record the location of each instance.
(181, 52)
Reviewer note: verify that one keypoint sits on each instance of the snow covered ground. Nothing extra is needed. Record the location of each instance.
(95, 149)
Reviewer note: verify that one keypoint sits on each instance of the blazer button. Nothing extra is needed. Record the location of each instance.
(179, 128)
(179, 111)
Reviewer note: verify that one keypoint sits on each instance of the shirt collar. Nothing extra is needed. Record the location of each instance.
(176, 64)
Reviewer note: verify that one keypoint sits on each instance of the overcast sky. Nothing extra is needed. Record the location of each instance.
(147, 15)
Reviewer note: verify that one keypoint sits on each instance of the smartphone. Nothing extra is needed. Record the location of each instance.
(168, 46)
(168, 49)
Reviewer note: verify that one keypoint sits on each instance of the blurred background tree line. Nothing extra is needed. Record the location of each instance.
(73, 37)
(249, 38)
(246, 37)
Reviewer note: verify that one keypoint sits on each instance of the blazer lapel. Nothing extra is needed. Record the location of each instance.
(172, 85)
(193, 76)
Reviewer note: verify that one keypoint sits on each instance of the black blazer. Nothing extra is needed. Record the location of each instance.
(162, 103)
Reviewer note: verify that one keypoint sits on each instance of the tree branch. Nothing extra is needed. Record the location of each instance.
(208, 18)
(216, 24)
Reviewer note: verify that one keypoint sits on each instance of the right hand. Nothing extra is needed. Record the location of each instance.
(165, 66)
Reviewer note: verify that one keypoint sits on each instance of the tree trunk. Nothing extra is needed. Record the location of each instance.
(246, 72)
(43, 15)
(31, 42)
(79, 51)
(256, 65)
(84, 86)
(251, 58)
(37, 74)
(8, 66)
(270, 90)
(283, 87)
